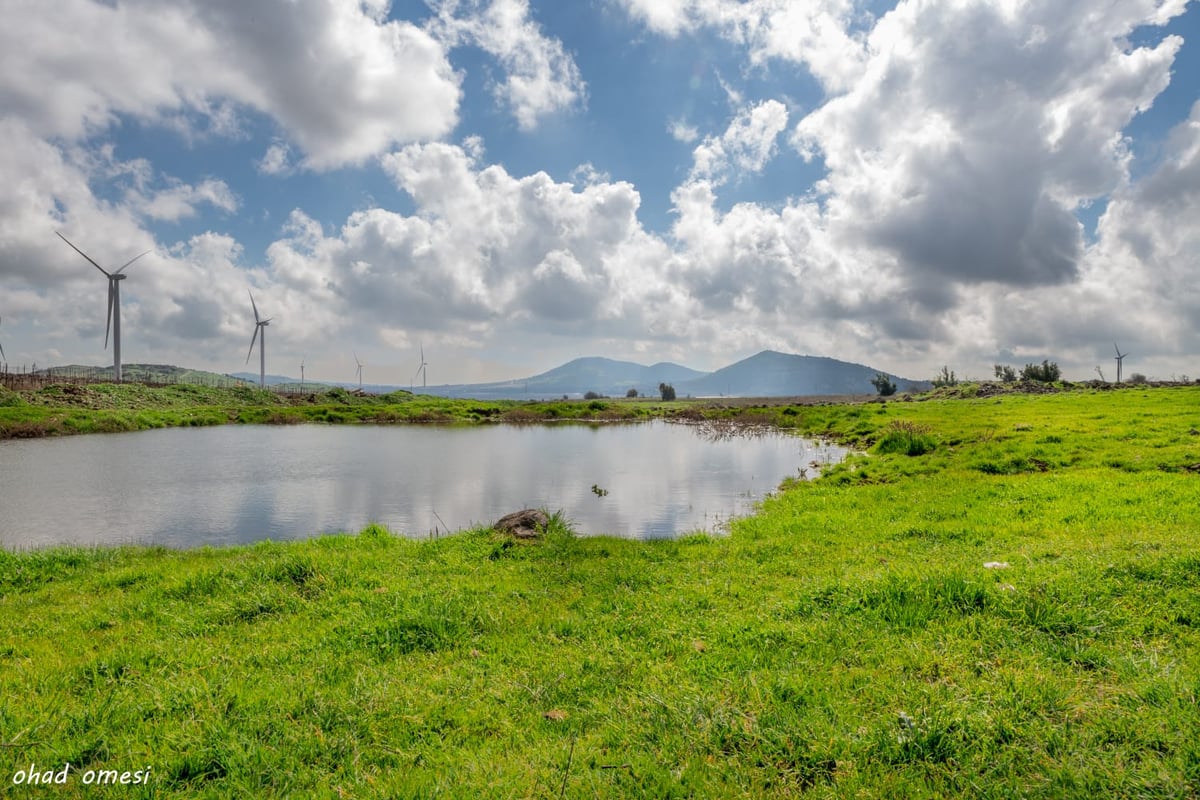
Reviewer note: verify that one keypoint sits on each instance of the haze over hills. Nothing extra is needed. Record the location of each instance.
(591, 374)
(766, 374)
(772, 374)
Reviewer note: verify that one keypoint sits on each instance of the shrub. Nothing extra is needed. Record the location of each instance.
(1048, 372)
(592, 396)
(632, 393)
(907, 438)
(883, 385)
(1137, 378)
(667, 391)
(1005, 373)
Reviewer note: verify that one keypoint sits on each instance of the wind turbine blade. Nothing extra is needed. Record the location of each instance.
(1, 346)
(256, 319)
(110, 307)
(1117, 349)
(130, 261)
(85, 255)
(252, 340)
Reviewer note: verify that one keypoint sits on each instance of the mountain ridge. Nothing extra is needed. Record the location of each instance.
(768, 373)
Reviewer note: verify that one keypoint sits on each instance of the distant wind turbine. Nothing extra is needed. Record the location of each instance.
(302, 375)
(1, 346)
(421, 369)
(1120, 358)
(260, 325)
(359, 363)
(114, 303)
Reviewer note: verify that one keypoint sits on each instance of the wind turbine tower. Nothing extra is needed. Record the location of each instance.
(260, 325)
(114, 303)
(421, 369)
(2, 356)
(359, 370)
(302, 375)
(1120, 358)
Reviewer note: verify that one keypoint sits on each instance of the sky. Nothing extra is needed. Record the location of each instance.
(510, 184)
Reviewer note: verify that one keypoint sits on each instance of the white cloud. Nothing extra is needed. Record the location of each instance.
(541, 78)
(342, 83)
(969, 141)
(179, 200)
(682, 132)
(956, 159)
(818, 33)
(746, 146)
(276, 161)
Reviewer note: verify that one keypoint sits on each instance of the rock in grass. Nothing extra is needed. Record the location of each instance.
(528, 523)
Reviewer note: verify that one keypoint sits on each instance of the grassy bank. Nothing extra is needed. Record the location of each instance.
(65, 409)
(999, 599)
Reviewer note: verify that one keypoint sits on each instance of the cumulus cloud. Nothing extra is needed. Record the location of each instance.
(976, 130)
(1146, 260)
(276, 161)
(179, 200)
(819, 34)
(485, 247)
(682, 132)
(745, 146)
(340, 80)
(540, 76)
(959, 139)
(47, 188)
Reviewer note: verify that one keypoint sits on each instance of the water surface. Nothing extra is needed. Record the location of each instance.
(187, 487)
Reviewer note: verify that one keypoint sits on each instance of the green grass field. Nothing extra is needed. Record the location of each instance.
(64, 409)
(998, 598)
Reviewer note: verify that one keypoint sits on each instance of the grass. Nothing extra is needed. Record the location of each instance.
(845, 641)
(64, 409)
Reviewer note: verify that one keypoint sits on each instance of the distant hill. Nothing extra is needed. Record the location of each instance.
(772, 374)
(593, 374)
(767, 374)
(149, 373)
(272, 380)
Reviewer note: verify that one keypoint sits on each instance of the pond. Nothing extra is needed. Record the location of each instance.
(188, 487)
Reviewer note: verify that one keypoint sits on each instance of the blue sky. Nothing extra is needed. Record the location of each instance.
(510, 184)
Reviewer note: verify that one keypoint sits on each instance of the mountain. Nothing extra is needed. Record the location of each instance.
(767, 374)
(593, 374)
(772, 374)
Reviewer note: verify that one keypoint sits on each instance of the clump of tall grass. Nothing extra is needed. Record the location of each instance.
(907, 438)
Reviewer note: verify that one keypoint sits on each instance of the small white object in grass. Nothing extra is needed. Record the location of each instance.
(995, 565)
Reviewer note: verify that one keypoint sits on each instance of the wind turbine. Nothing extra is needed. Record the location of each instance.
(302, 375)
(114, 303)
(359, 371)
(1120, 358)
(1, 346)
(421, 369)
(259, 325)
